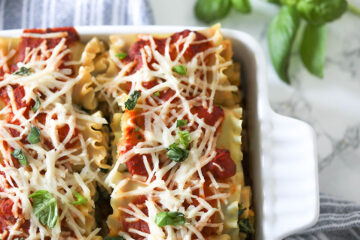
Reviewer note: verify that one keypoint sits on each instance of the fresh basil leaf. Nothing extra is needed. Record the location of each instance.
(121, 56)
(313, 48)
(318, 12)
(281, 36)
(157, 94)
(180, 69)
(113, 238)
(45, 207)
(184, 138)
(36, 105)
(181, 122)
(20, 156)
(243, 6)
(80, 199)
(23, 71)
(34, 135)
(170, 218)
(131, 102)
(212, 10)
(176, 153)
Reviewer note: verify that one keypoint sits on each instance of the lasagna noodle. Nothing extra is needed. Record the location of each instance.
(127, 187)
(71, 144)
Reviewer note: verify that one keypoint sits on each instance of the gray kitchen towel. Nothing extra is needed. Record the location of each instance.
(56, 13)
(338, 220)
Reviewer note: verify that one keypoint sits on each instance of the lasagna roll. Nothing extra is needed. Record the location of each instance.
(177, 172)
(49, 147)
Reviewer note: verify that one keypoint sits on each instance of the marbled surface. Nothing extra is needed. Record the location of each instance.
(330, 105)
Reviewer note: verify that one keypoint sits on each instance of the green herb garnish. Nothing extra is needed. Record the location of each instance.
(184, 138)
(180, 69)
(121, 56)
(157, 94)
(176, 153)
(20, 156)
(23, 71)
(34, 136)
(45, 207)
(36, 105)
(80, 199)
(181, 122)
(286, 25)
(131, 102)
(170, 218)
(136, 129)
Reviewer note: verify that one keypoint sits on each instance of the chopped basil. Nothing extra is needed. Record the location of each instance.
(34, 136)
(137, 129)
(22, 71)
(121, 56)
(181, 122)
(184, 138)
(19, 238)
(113, 238)
(176, 153)
(45, 207)
(170, 218)
(19, 155)
(180, 69)
(80, 199)
(157, 94)
(244, 223)
(131, 102)
(36, 105)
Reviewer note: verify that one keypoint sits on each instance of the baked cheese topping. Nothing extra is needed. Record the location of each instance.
(43, 147)
(177, 79)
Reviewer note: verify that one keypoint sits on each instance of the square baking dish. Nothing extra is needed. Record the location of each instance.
(282, 153)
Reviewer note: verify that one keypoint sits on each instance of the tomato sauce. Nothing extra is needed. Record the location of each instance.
(222, 166)
(140, 225)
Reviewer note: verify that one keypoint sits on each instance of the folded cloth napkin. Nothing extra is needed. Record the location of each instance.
(338, 219)
(56, 13)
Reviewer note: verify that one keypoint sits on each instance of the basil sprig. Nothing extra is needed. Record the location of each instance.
(20, 156)
(284, 27)
(132, 100)
(23, 71)
(170, 218)
(45, 207)
(34, 135)
(184, 138)
(80, 199)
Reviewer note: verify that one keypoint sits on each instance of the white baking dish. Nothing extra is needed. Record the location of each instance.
(282, 149)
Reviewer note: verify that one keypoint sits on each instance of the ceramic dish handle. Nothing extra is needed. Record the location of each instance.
(293, 159)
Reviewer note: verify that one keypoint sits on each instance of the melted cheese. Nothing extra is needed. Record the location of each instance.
(160, 132)
(49, 169)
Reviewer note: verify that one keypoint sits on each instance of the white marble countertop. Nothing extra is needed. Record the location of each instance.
(330, 105)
